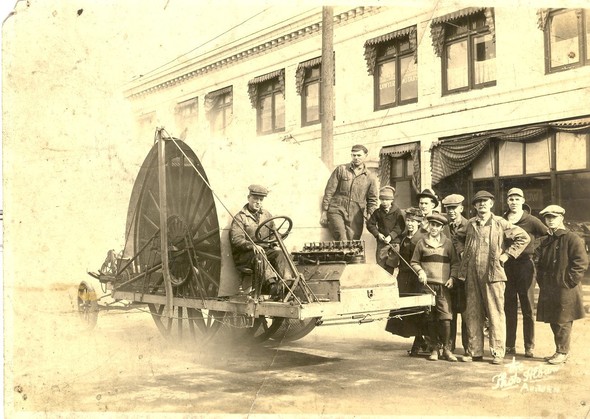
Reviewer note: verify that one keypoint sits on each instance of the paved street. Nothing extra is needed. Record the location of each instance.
(125, 366)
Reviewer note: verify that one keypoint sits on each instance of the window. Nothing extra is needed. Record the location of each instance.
(219, 109)
(567, 33)
(267, 96)
(186, 114)
(399, 166)
(465, 41)
(310, 96)
(392, 60)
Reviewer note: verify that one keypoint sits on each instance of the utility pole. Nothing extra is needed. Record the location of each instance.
(327, 86)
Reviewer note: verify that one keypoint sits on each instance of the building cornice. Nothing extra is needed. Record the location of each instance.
(245, 50)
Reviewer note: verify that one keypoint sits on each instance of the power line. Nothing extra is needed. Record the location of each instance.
(219, 36)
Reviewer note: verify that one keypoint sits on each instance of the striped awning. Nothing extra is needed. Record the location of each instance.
(456, 15)
(389, 36)
(437, 26)
(300, 72)
(455, 153)
(265, 77)
(372, 44)
(388, 153)
(398, 150)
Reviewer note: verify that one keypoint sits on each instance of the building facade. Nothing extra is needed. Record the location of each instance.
(453, 99)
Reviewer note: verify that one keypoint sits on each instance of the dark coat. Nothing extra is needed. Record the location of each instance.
(408, 284)
(390, 223)
(562, 263)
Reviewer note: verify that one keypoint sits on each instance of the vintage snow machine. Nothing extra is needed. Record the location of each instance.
(177, 264)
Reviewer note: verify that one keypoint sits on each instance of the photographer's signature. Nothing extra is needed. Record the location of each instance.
(525, 379)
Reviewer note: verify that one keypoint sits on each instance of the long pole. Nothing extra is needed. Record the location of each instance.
(327, 86)
(169, 311)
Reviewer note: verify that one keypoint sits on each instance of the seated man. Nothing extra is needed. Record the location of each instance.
(248, 253)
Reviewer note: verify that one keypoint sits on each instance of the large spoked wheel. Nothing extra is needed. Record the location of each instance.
(188, 325)
(294, 329)
(194, 247)
(268, 230)
(87, 305)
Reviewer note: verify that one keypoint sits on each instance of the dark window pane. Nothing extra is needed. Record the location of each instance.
(397, 168)
(564, 39)
(574, 196)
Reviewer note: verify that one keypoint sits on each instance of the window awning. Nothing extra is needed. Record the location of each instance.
(542, 15)
(300, 73)
(253, 84)
(211, 98)
(398, 150)
(437, 26)
(451, 155)
(372, 44)
(393, 151)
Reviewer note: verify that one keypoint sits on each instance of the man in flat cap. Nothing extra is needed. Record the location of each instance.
(490, 241)
(247, 252)
(562, 263)
(386, 224)
(350, 192)
(520, 272)
(453, 205)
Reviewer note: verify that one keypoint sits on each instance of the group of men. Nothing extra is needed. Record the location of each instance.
(493, 271)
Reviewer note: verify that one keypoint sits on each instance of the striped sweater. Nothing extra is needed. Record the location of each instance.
(438, 259)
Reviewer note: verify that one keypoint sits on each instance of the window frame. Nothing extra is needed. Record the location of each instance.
(308, 81)
(582, 40)
(383, 58)
(262, 94)
(222, 108)
(469, 36)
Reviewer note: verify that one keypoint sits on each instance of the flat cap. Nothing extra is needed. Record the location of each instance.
(437, 218)
(552, 210)
(479, 195)
(453, 200)
(386, 192)
(428, 193)
(414, 214)
(359, 147)
(515, 191)
(258, 190)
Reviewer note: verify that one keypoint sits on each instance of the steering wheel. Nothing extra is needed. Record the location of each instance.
(265, 233)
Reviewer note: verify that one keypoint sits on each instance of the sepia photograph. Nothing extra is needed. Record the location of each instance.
(295, 209)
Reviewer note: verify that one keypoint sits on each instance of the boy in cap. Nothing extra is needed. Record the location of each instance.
(350, 192)
(490, 241)
(436, 264)
(520, 273)
(386, 224)
(562, 263)
(247, 253)
(453, 205)
(407, 282)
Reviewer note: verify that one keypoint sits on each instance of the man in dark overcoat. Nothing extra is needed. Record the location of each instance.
(562, 263)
